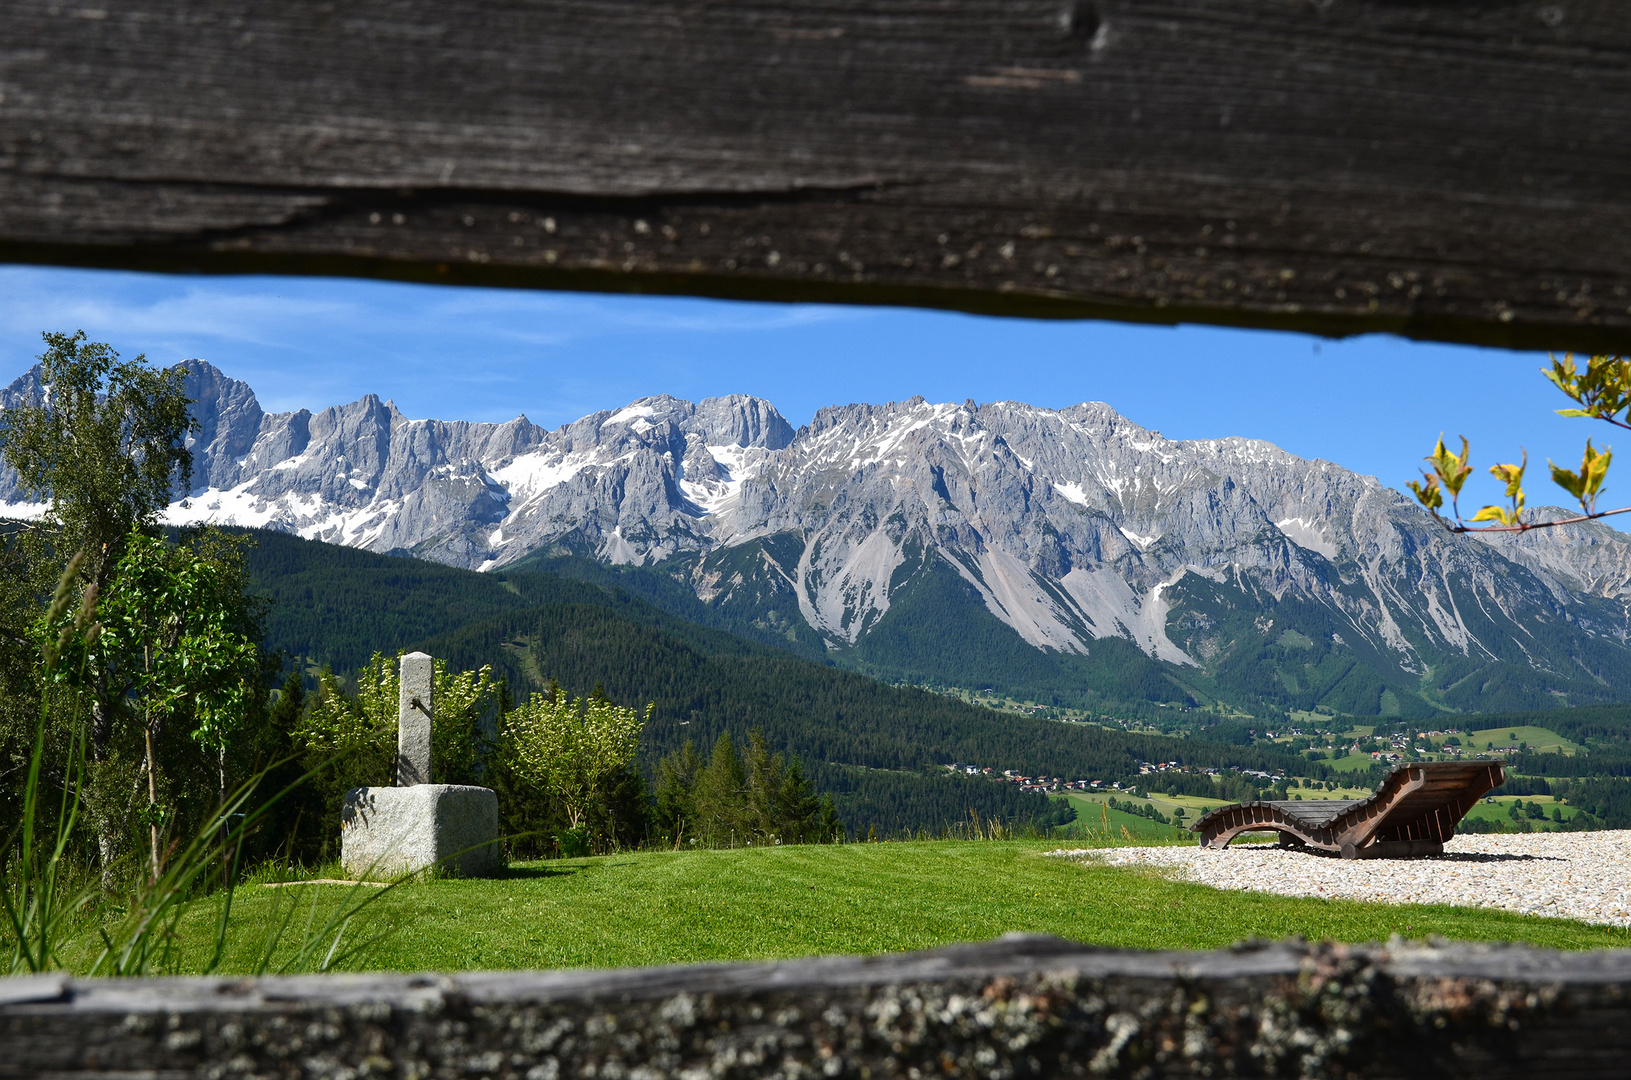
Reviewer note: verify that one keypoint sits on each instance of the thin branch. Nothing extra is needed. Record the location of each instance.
(14, 526)
(1525, 527)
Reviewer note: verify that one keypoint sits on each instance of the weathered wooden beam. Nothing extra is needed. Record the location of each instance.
(1019, 1006)
(1458, 171)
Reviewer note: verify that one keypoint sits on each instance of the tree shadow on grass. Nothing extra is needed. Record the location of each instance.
(539, 870)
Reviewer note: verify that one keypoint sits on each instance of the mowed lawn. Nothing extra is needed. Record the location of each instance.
(686, 907)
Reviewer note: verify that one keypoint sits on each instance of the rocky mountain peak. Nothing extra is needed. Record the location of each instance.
(1068, 526)
(228, 418)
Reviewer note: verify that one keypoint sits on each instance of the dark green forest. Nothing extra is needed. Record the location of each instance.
(338, 605)
(880, 750)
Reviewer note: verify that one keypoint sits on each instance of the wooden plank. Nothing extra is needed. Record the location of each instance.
(1453, 171)
(1019, 1006)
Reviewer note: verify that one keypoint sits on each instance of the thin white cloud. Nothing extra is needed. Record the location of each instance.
(177, 320)
(451, 353)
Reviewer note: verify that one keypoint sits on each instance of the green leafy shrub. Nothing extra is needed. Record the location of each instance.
(564, 769)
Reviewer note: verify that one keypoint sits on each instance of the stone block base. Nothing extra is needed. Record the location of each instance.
(386, 832)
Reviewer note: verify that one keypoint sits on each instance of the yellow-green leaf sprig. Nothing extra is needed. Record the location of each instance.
(1512, 476)
(1587, 484)
(1428, 493)
(1449, 473)
(1602, 390)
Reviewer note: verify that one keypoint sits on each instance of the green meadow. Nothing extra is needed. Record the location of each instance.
(1499, 808)
(1538, 739)
(780, 902)
(1094, 818)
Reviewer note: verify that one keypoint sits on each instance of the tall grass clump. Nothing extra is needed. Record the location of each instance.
(59, 912)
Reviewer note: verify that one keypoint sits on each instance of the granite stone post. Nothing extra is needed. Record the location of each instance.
(390, 831)
(386, 832)
(415, 710)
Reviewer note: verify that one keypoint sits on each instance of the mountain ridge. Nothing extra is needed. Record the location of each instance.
(1243, 574)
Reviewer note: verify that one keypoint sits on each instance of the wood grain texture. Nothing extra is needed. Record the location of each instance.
(1015, 1007)
(1443, 169)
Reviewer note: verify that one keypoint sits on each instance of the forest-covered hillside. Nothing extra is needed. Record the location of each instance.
(880, 749)
(338, 605)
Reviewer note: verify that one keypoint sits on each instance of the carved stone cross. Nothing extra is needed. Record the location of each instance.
(414, 713)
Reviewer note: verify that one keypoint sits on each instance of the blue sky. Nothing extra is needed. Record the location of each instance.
(1373, 404)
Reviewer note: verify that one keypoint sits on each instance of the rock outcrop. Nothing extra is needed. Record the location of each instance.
(1071, 525)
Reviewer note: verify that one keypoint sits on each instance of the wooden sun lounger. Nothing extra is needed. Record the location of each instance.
(1414, 810)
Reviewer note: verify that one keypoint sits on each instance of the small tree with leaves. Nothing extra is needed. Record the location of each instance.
(573, 748)
(177, 632)
(354, 736)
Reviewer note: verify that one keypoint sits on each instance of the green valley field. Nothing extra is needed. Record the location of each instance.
(1531, 736)
(1095, 815)
(765, 903)
(1498, 808)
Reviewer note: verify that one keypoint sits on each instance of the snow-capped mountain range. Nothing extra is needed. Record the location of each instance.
(1069, 526)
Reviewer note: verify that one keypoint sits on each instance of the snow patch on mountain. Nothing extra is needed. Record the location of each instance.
(305, 515)
(530, 475)
(733, 466)
(1143, 542)
(629, 415)
(1072, 525)
(1070, 492)
(1307, 534)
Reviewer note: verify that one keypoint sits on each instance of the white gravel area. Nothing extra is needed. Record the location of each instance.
(1585, 876)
